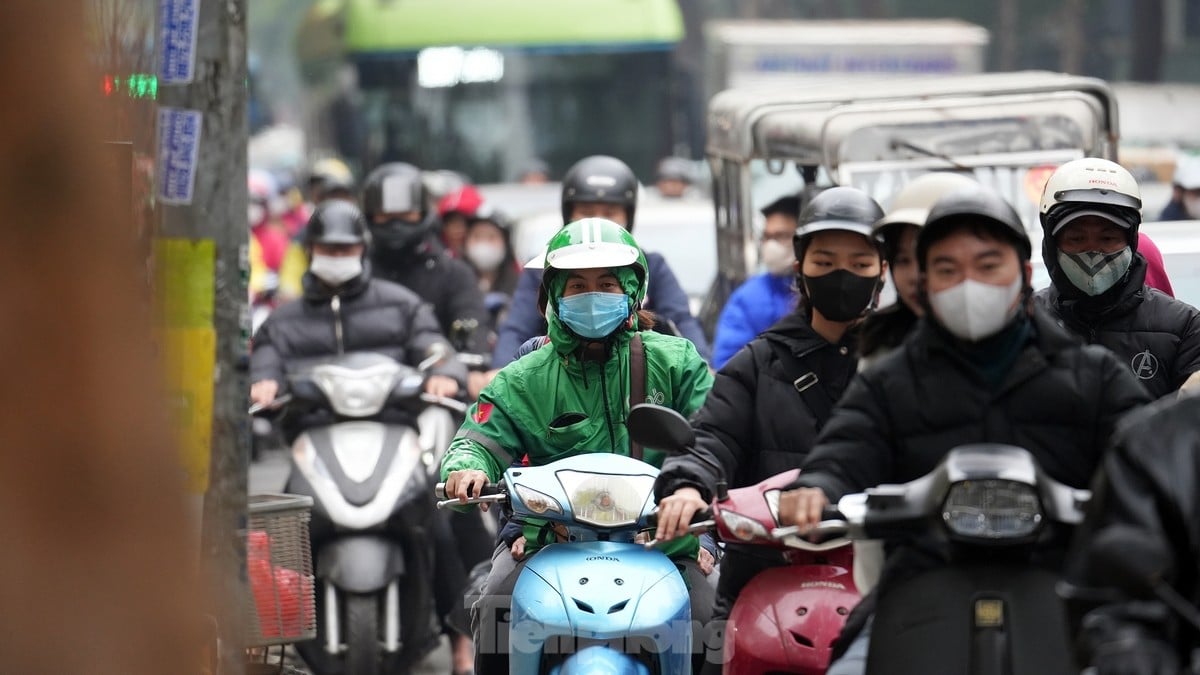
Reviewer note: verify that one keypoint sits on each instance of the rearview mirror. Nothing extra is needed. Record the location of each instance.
(656, 426)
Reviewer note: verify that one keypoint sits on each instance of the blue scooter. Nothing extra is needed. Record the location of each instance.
(597, 602)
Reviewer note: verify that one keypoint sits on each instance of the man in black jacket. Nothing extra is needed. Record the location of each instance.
(1150, 481)
(344, 310)
(770, 400)
(1090, 212)
(982, 366)
(405, 250)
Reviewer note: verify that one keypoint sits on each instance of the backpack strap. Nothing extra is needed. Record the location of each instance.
(814, 395)
(637, 384)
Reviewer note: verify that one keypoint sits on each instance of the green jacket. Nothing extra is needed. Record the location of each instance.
(516, 414)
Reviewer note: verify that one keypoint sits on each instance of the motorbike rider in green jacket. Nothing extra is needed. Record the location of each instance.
(572, 397)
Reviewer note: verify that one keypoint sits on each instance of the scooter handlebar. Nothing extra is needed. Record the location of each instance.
(489, 489)
(450, 403)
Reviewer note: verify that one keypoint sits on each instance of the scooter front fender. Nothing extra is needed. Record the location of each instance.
(601, 591)
(360, 564)
(786, 619)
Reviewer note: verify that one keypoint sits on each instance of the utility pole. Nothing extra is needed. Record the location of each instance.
(201, 256)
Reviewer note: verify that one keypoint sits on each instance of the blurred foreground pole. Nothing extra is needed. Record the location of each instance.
(93, 574)
(201, 167)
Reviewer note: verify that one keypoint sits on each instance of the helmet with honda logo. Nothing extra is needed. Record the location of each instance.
(1091, 186)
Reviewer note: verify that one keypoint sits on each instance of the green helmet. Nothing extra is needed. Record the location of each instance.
(590, 243)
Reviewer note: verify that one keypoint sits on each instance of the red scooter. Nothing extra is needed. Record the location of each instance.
(786, 619)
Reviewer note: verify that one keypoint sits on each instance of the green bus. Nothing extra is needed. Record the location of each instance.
(486, 86)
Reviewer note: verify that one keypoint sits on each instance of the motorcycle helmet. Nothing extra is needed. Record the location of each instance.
(591, 243)
(336, 222)
(392, 189)
(975, 204)
(674, 168)
(1091, 187)
(912, 203)
(838, 208)
(600, 179)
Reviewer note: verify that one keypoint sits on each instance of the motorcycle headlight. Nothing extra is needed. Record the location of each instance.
(606, 500)
(746, 529)
(992, 509)
(356, 393)
(537, 502)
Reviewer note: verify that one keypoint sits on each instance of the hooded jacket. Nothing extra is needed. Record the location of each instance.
(369, 315)
(554, 403)
(1156, 336)
(665, 298)
(752, 308)
(448, 284)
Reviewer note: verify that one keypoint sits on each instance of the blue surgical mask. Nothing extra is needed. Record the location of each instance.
(594, 315)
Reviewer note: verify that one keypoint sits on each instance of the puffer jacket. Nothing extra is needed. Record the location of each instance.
(1156, 336)
(1059, 400)
(449, 285)
(755, 423)
(1150, 481)
(754, 307)
(369, 315)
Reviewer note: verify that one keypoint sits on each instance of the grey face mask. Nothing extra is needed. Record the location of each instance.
(1094, 272)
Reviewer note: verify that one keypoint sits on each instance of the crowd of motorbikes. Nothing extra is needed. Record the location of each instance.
(606, 600)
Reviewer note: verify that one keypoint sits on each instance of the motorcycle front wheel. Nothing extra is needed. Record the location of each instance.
(362, 635)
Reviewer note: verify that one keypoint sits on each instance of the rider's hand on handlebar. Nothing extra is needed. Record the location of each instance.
(263, 392)
(440, 385)
(477, 380)
(802, 506)
(465, 484)
(675, 513)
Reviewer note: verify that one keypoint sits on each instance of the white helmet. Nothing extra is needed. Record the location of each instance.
(1187, 172)
(1093, 181)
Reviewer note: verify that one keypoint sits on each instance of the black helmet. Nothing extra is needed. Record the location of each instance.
(674, 168)
(975, 204)
(601, 179)
(838, 208)
(336, 221)
(397, 188)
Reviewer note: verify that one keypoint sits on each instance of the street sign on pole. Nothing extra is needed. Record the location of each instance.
(178, 22)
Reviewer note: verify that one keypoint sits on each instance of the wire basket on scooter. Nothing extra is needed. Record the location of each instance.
(281, 607)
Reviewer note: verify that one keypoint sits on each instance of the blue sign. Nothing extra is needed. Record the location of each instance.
(177, 37)
(178, 152)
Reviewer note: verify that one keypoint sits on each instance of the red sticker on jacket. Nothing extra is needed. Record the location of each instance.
(482, 412)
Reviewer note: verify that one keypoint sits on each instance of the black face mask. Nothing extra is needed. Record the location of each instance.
(840, 295)
(398, 235)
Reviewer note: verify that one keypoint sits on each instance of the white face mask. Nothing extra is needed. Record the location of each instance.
(485, 255)
(1192, 206)
(335, 270)
(777, 257)
(255, 213)
(1094, 272)
(973, 310)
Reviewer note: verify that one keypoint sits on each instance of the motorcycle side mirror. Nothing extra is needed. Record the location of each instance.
(1130, 559)
(435, 355)
(656, 426)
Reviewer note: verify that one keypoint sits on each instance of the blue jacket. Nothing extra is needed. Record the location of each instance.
(665, 298)
(754, 307)
(1174, 211)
